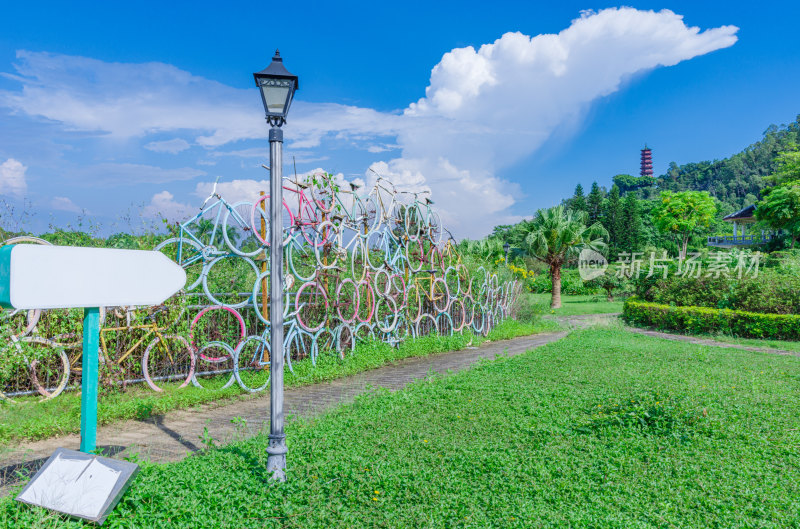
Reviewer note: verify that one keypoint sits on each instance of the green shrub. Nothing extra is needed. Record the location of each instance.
(705, 320)
(773, 291)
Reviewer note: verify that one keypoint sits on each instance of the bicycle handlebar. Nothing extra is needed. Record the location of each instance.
(213, 193)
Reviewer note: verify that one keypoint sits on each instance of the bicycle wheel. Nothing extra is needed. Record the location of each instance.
(324, 342)
(363, 332)
(217, 374)
(189, 255)
(345, 340)
(239, 234)
(298, 345)
(168, 358)
(412, 222)
(251, 365)
(441, 297)
(19, 322)
(261, 213)
(372, 214)
(381, 282)
(453, 281)
(426, 325)
(347, 300)
(220, 324)
(435, 230)
(385, 314)
(50, 368)
(308, 219)
(415, 256)
(323, 242)
(301, 260)
(398, 291)
(444, 324)
(366, 301)
(312, 306)
(375, 249)
(414, 303)
(478, 319)
(358, 260)
(403, 331)
(457, 314)
(231, 277)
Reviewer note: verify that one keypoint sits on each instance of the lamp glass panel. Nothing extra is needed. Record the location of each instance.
(275, 92)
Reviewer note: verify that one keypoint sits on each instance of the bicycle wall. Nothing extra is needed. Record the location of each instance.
(358, 265)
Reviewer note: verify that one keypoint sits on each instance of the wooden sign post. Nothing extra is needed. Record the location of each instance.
(58, 277)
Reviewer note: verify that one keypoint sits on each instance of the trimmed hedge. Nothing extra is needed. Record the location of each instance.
(703, 320)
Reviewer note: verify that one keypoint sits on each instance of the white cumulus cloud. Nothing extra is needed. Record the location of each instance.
(65, 204)
(488, 108)
(164, 205)
(12, 178)
(173, 146)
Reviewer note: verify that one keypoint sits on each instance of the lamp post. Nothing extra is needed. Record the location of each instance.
(277, 87)
(506, 247)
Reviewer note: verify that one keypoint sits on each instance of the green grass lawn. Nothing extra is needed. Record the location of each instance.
(604, 428)
(573, 305)
(772, 344)
(783, 345)
(29, 419)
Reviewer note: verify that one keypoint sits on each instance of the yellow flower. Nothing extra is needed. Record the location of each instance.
(374, 499)
(377, 492)
(424, 440)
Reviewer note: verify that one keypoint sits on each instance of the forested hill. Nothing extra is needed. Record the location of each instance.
(737, 180)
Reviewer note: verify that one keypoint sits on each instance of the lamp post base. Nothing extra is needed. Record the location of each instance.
(276, 457)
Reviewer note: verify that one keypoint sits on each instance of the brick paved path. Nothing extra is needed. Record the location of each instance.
(175, 435)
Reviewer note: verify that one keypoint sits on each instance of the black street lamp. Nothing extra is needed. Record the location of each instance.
(506, 247)
(277, 90)
(277, 87)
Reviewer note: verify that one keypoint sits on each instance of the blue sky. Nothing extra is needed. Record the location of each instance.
(131, 111)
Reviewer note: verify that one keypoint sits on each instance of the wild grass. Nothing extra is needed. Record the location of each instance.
(574, 305)
(601, 429)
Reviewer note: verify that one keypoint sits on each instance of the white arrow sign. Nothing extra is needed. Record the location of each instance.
(54, 277)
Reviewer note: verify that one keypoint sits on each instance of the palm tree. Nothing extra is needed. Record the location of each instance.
(556, 237)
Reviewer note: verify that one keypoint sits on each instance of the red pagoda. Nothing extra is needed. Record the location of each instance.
(647, 162)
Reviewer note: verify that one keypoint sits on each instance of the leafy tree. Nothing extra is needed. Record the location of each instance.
(594, 203)
(578, 201)
(788, 166)
(631, 232)
(627, 182)
(608, 282)
(556, 237)
(512, 234)
(780, 208)
(684, 214)
(612, 220)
